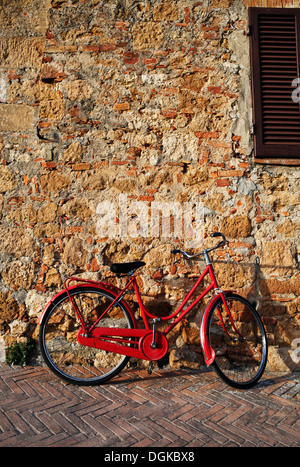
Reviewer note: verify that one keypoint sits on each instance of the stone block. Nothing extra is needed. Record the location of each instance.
(16, 242)
(8, 306)
(7, 179)
(18, 274)
(274, 285)
(74, 253)
(149, 35)
(277, 258)
(73, 153)
(20, 52)
(26, 16)
(53, 110)
(54, 181)
(52, 278)
(165, 11)
(238, 226)
(17, 117)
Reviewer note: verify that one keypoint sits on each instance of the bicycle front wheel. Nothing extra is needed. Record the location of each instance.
(63, 354)
(239, 341)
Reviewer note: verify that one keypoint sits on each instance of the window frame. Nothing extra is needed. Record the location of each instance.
(279, 154)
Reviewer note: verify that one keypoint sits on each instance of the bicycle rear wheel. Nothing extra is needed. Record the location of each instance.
(240, 348)
(63, 354)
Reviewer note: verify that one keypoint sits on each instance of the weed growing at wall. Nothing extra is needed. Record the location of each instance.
(18, 353)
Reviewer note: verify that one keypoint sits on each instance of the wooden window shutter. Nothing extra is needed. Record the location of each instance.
(275, 59)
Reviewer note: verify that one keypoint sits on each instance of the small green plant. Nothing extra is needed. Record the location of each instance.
(18, 352)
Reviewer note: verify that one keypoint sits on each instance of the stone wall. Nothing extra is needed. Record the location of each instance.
(152, 100)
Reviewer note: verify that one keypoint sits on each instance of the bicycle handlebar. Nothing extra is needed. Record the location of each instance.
(214, 234)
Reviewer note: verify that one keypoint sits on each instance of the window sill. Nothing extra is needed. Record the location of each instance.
(277, 161)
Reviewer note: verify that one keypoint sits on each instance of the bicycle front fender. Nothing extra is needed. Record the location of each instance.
(208, 351)
(112, 290)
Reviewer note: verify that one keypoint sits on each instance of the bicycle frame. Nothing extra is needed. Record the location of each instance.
(179, 311)
(144, 343)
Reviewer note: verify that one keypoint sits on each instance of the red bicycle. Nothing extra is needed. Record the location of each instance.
(88, 332)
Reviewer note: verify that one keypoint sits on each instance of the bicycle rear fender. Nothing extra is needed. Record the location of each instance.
(208, 351)
(111, 289)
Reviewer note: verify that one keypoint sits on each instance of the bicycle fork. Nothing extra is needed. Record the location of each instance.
(230, 318)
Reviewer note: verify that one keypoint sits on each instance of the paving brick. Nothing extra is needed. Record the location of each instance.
(167, 409)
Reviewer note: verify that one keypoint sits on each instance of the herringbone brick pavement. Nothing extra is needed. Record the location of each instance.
(181, 408)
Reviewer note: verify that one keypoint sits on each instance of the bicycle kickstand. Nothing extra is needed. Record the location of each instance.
(150, 368)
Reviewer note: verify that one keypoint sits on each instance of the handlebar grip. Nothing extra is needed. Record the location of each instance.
(216, 234)
(175, 251)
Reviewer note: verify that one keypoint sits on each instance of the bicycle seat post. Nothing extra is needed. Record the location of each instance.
(154, 321)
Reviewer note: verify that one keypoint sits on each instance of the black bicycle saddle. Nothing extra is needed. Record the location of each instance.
(123, 268)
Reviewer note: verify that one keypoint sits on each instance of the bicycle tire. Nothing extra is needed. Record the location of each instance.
(63, 354)
(240, 360)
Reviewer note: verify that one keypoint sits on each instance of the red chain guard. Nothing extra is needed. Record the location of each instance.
(159, 351)
(131, 342)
